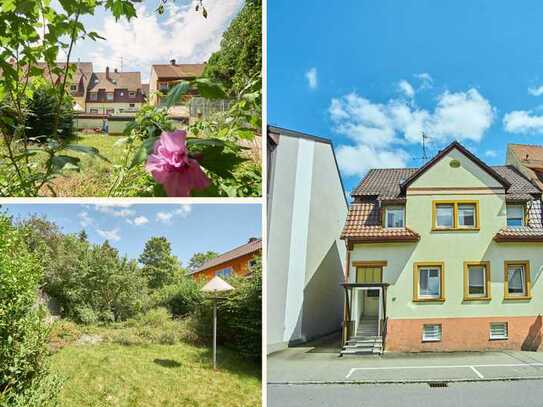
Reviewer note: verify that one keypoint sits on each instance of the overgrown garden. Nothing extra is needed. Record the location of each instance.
(61, 294)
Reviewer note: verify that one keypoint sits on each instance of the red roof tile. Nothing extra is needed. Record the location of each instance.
(363, 225)
(252, 246)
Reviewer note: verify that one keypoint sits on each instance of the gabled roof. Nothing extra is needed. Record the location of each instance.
(253, 246)
(117, 80)
(444, 152)
(179, 71)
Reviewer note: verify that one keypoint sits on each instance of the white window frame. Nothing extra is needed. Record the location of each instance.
(437, 216)
(522, 217)
(428, 269)
(522, 268)
(426, 337)
(395, 209)
(93, 110)
(483, 268)
(493, 336)
(472, 226)
(131, 94)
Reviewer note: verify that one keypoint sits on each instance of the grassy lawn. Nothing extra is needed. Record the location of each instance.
(110, 374)
(95, 177)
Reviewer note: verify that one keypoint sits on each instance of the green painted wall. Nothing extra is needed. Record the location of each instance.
(453, 248)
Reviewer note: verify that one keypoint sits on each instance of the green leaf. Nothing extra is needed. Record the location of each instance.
(92, 151)
(94, 36)
(143, 152)
(175, 93)
(209, 89)
(8, 6)
(219, 162)
(193, 141)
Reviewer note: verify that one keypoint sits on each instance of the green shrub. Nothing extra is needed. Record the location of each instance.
(42, 108)
(24, 372)
(85, 315)
(62, 333)
(181, 298)
(239, 316)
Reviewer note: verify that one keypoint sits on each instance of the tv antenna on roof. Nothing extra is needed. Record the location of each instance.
(424, 152)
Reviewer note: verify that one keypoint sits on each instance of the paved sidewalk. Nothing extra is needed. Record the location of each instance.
(307, 365)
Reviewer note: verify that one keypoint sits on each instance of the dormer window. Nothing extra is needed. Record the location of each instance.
(109, 96)
(515, 215)
(93, 96)
(132, 94)
(394, 217)
(73, 88)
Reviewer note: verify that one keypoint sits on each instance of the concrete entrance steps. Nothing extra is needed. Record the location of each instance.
(365, 341)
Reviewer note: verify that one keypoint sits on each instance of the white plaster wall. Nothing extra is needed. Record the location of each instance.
(305, 255)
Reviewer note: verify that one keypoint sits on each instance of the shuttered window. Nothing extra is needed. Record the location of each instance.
(498, 330)
(431, 333)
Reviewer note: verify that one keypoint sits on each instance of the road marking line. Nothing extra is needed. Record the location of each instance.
(477, 372)
(473, 367)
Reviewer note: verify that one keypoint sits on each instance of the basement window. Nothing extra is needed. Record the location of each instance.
(498, 330)
(431, 333)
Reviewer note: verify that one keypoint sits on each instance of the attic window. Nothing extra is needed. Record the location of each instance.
(73, 87)
(132, 94)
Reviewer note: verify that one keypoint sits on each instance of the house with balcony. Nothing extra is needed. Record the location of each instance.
(445, 257)
(114, 93)
(239, 261)
(164, 76)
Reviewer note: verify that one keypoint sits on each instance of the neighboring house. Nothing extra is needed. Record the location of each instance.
(528, 159)
(445, 257)
(164, 76)
(114, 93)
(238, 261)
(78, 84)
(307, 209)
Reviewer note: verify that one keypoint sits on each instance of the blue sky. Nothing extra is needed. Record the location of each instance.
(189, 228)
(180, 33)
(374, 75)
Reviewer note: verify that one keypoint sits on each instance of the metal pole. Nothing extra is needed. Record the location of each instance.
(215, 333)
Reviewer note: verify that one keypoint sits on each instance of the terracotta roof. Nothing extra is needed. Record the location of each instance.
(248, 248)
(531, 158)
(363, 224)
(83, 69)
(532, 232)
(179, 71)
(385, 183)
(117, 80)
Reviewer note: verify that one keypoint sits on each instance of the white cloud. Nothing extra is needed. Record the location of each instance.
(85, 219)
(491, 153)
(426, 80)
(181, 33)
(140, 220)
(522, 121)
(182, 211)
(538, 91)
(164, 217)
(377, 129)
(357, 160)
(116, 209)
(311, 77)
(110, 234)
(406, 88)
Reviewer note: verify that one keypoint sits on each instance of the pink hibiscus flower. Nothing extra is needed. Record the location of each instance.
(171, 166)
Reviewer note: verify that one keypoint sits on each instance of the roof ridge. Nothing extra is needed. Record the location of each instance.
(202, 267)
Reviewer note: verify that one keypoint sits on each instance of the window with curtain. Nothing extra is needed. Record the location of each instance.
(516, 280)
(476, 281)
(394, 217)
(429, 282)
(445, 215)
(466, 215)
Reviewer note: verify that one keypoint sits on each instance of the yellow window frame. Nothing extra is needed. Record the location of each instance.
(455, 204)
(360, 265)
(416, 278)
(486, 266)
(527, 280)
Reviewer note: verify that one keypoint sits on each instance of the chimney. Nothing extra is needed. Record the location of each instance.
(252, 239)
(172, 61)
(107, 72)
(115, 70)
(527, 157)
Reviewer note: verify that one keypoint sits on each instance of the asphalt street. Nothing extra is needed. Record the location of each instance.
(524, 393)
